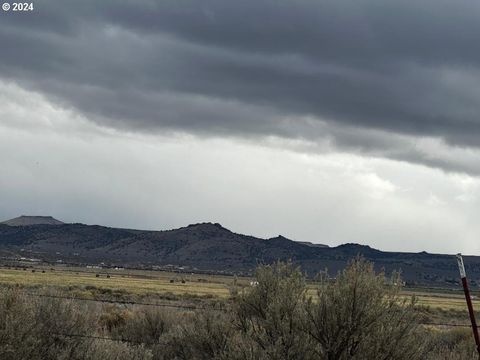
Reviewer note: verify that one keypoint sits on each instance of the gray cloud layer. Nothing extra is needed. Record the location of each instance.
(371, 75)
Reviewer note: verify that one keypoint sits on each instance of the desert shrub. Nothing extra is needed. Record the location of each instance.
(108, 350)
(167, 296)
(39, 328)
(453, 344)
(145, 325)
(361, 316)
(113, 317)
(270, 313)
(204, 336)
(448, 339)
(42, 328)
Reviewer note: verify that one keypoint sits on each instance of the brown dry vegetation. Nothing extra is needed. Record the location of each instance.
(360, 315)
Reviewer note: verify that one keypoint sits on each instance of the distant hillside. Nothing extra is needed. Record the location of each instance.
(308, 243)
(25, 220)
(210, 246)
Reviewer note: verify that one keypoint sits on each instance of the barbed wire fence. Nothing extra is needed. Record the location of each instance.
(165, 305)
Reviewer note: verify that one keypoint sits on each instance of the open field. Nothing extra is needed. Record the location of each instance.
(442, 300)
(143, 283)
(135, 282)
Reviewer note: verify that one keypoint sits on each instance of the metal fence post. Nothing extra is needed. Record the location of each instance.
(463, 275)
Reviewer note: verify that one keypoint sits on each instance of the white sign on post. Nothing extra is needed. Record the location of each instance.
(461, 267)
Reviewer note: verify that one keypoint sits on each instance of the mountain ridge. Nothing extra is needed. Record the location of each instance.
(212, 247)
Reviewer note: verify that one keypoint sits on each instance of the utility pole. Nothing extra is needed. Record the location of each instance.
(463, 275)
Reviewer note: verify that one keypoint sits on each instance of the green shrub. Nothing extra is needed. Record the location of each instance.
(40, 328)
(202, 336)
(361, 316)
(270, 313)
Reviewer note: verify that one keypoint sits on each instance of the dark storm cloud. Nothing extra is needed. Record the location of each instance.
(259, 67)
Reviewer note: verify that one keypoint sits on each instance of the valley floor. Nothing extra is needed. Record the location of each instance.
(136, 285)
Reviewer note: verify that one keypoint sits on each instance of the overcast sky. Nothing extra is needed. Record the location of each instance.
(325, 121)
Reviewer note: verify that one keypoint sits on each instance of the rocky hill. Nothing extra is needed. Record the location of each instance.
(25, 220)
(209, 246)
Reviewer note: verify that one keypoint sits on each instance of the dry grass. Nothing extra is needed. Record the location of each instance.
(132, 283)
(438, 300)
(148, 283)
